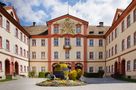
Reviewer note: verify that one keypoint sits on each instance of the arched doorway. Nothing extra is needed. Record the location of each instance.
(115, 68)
(7, 67)
(79, 66)
(16, 68)
(123, 67)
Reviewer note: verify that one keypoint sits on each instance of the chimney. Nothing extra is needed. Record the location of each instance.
(34, 23)
(101, 24)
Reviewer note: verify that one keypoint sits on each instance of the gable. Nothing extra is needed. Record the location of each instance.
(117, 14)
(12, 12)
(67, 16)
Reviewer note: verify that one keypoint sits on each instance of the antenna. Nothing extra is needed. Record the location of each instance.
(68, 6)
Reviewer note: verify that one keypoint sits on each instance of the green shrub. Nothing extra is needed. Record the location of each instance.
(32, 74)
(43, 74)
(9, 77)
(91, 75)
(101, 73)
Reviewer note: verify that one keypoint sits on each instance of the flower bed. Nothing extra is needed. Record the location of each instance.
(57, 83)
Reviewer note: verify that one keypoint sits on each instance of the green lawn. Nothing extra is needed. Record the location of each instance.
(4, 80)
(127, 79)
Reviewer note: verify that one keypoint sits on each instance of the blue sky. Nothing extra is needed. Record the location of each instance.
(40, 11)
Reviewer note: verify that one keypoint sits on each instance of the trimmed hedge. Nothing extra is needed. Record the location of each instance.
(43, 74)
(99, 74)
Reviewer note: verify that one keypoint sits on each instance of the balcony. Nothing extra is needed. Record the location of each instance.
(67, 47)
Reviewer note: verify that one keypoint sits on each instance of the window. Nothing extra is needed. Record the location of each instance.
(56, 28)
(115, 33)
(33, 55)
(7, 45)
(100, 68)
(100, 55)
(128, 21)
(42, 55)
(91, 43)
(33, 68)
(21, 36)
(112, 36)
(78, 28)
(78, 55)
(0, 42)
(109, 69)
(0, 20)
(21, 52)
(134, 15)
(100, 42)
(24, 39)
(112, 68)
(55, 55)
(24, 68)
(78, 41)
(7, 26)
(67, 41)
(135, 64)
(116, 51)
(123, 26)
(91, 54)
(112, 51)
(128, 42)
(109, 38)
(16, 49)
(16, 33)
(67, 54)
(56, 42)
(109, 53)
(90, 69)
(21, 68)
(33, 42)
(101, 32)
(43, 42)
(42, 69)
(91, 32)
(128, 65)
(0, 66)
(24, 53)
(135, 38)
(123, 45)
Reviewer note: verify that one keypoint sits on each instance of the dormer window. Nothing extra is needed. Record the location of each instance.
(91, 32)
(11, 14)
(101, 32)
(78, 28)
(56, 28)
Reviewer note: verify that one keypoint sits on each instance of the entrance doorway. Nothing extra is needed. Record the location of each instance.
(16, 68)
(123, 67)
(7, 67)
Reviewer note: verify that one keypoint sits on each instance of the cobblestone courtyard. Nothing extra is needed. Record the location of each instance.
(94, 84)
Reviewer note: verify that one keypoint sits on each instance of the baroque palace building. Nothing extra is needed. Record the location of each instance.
(70, 40)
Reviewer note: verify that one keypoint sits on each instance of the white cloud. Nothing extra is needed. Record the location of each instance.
(93, 11)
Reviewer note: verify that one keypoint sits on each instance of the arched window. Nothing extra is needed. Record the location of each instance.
(128, 42)
(128, 65)
(135, 38)
(7, 45)
(0, 66)
(0, 42)
(123, 45)
(16, 49)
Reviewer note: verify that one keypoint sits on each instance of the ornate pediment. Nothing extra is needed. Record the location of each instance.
(68, 27)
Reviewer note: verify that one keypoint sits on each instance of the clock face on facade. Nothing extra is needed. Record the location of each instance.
(67, 27)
